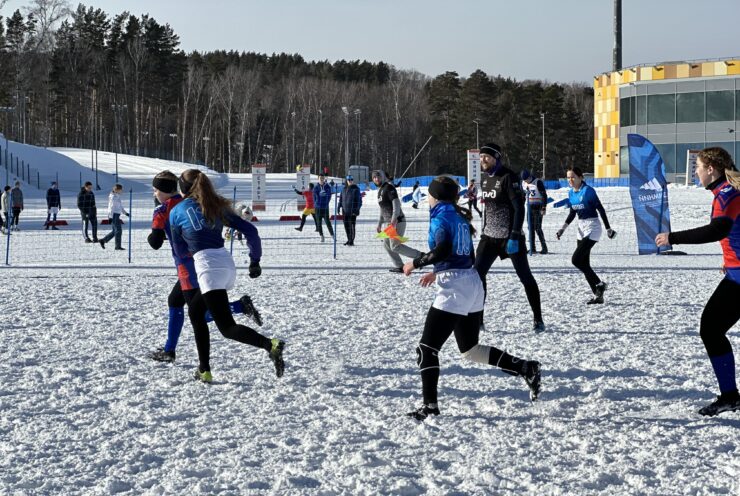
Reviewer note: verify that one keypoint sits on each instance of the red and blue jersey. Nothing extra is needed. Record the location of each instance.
(184, 262)
(726, 204)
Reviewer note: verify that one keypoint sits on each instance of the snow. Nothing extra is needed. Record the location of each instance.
(85, 412)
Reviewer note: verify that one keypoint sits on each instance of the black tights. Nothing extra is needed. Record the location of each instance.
(720, 314)
(303, 221)
(437, 329)
(582, 261)
(217, 302)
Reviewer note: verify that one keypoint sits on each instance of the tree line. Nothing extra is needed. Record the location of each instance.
(83, 78)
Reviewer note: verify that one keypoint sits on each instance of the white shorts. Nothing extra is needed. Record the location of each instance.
(589, 228)
(459, 291)
(215, 269)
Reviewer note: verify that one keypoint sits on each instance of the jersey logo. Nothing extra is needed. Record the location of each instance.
(489, 194)
(463, 235)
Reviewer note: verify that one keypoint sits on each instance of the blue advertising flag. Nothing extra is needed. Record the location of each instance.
(649, 192)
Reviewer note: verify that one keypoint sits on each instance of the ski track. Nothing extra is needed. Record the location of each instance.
(85, 412)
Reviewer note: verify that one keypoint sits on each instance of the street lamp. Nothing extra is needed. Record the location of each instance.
(346, 140)
(321, 115)
(358, 112)
(542, 116)
(292, 114)
(477, 138)
(174, 140)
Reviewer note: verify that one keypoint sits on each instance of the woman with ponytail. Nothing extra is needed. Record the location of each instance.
(458, 306)
(196, 224)
(717, 173)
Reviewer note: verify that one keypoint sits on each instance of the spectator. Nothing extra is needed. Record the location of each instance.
(536, 209)
(415, 195)
(350, 206)
(309, 208)
(54, 205)
(16, 203)
(472, 195)
(321, 199)
(88, 211)
(5, 208)
(115, 209)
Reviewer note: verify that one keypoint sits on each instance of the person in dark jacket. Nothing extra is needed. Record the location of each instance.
(88, 211)
(350, 206)
(321, 200)
(16, 203)
(53, 205)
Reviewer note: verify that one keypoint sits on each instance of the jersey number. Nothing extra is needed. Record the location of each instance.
(463, 239)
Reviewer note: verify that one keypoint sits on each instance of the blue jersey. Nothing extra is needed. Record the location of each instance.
(192, 233)
(446, 225)
(584, 202)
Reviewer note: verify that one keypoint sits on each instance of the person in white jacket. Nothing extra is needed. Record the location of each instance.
(5, 209)
(115, 209)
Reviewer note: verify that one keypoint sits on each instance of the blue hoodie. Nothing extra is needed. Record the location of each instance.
(321, 195)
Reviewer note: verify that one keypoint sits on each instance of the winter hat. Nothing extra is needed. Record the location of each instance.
(444, 189)
(349, 178)
(382, 175)
(492, 149)
(526, 176)
(165, 185)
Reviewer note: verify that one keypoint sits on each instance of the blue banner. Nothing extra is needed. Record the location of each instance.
(649, 192)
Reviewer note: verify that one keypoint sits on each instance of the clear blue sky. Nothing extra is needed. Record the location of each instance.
(556, 40)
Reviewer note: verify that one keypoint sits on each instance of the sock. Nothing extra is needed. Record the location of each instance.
(724, 369)
(507, 363)
(174, 327)
(236, 307)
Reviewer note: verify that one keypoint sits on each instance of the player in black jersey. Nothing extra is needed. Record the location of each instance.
(503, 217)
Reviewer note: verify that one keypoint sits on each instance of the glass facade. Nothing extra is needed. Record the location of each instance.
(690, 107)
(720, 106)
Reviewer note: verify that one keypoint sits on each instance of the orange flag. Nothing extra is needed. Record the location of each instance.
(390, 232)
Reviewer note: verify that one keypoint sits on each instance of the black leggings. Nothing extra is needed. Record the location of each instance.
(491, 248)
(720, 314)
(323, 214)
(349, 227)
(217, 302)
(437, 329)
(303, 221)
(582, 260)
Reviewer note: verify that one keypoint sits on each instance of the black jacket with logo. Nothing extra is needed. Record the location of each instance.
(504, 204)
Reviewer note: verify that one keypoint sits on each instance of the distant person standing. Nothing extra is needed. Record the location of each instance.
(502, 226)
(115, 209)
(392, 215)
(5, 207)
(536, 209)
(351, 204)
(585, 203)
(321, 200)
(717, 173)
(415, 195)
(309, 209)
(88, 211)
(16, 203)
(53, 205)
(472, 195)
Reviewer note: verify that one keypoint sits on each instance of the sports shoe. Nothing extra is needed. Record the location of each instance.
(120, 248)
(396, 270)
(249, 309)
(538, 326)
(322, 238)
(102, 244)
(726, 402)
(596, 300)
(423, 412)
(162, 356)
(599, 289)
(54, 228)
(532, 378)
(543, 251)
(46, 228)
(299, 229)
(203, 376)
(276, 355)
(88, 240)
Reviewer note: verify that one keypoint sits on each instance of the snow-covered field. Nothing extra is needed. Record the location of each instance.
(83, 411)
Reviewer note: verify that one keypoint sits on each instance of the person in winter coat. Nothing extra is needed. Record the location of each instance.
(458, 305)
(16, 203)
(350, 206)
(5, 208)
(415, 195)
(115, 209)
(321, 200)
(309, 209)
(536, 193)
(53, 205)
(472, 195)
(88, 211)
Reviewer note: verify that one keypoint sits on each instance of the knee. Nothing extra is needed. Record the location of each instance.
(175, 301)
(478, 354)
(576, 261)
(426, 357)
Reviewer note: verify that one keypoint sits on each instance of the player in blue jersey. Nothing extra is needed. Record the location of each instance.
(458, 305)
(165, 192)
(717, 173)
(585, 203)
(196, 224)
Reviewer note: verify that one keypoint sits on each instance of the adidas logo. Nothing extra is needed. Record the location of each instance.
(653, 184)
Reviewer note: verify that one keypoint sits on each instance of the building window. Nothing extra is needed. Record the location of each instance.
(720, 106)
(668, 154)
(625, 112)
(690, 107)
(661, 109)
(681, 154)
(641, 110)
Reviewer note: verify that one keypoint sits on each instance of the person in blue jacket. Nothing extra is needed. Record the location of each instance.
(196, 224)
(321, 199)
(458, 305)
(350, 207)
(585, 203)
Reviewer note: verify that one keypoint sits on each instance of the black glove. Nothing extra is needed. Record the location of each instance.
(610, 233)
(128, 214)
(559, 233)
(255, 270)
